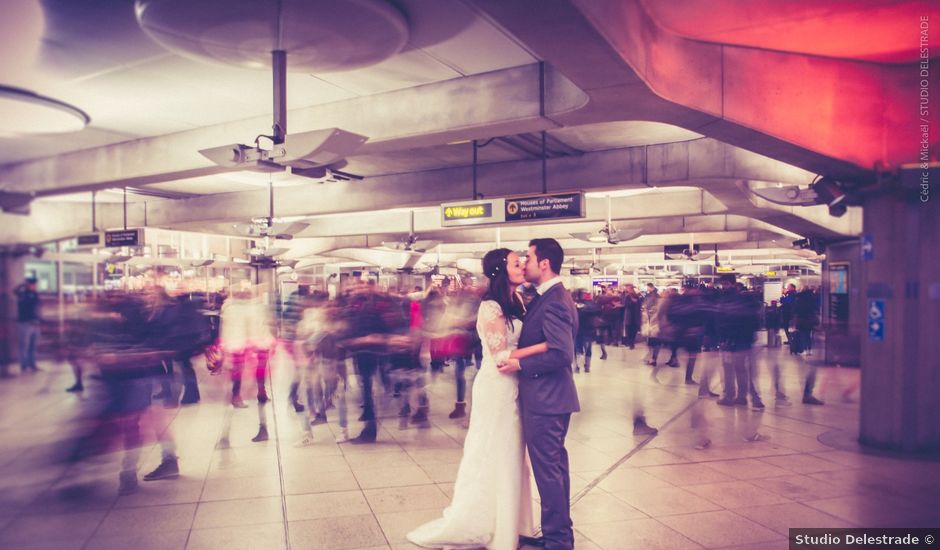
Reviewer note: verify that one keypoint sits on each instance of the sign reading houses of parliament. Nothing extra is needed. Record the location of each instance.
(545, 207)
(531, 208)
(123, 237)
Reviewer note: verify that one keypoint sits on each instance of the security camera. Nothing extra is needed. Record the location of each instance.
(791, 195)
(302, 151)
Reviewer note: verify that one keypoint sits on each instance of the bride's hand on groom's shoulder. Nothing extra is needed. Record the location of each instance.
(509, 366)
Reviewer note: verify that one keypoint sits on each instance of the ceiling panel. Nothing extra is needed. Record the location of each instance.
(429, 158)
(208, 185)
(453, 33)
(91, 36)
(134, 101)
(871, 30)
(405, 70)
(241, 86)
(27, 147)
(614, 135)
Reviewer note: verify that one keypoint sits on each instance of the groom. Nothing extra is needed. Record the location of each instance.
(547, 394)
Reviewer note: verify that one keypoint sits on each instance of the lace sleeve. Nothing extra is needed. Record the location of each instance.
(491, 324)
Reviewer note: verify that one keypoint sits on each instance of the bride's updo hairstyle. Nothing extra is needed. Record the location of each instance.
(499, 289)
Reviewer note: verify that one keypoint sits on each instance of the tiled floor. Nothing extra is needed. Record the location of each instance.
(628, 492)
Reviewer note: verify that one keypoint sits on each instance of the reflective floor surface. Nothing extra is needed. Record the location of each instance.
(627, 491)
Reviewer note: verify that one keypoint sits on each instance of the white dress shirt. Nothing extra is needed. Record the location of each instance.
(543, 288)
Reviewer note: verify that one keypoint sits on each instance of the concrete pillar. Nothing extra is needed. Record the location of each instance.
(12, 272)
(901, 374)
(7, 308)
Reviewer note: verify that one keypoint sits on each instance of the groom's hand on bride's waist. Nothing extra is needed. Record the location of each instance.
(509, 366)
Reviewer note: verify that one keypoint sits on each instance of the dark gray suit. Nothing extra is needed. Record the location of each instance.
(547, 397)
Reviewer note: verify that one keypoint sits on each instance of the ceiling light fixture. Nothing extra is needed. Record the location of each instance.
(26, 112)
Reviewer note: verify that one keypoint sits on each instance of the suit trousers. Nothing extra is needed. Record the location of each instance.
(545, 441)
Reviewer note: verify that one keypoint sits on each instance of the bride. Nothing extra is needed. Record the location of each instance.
(492, 503)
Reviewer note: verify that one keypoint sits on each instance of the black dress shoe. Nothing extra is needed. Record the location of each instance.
(537, 542)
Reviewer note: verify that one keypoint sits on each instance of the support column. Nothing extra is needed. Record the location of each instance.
(12, 271)
(901, 373)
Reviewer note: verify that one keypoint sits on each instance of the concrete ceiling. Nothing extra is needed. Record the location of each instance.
(861, 30)
(638, 94)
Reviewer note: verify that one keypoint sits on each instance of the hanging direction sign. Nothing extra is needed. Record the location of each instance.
(535, 208)
(472, 212)
(89, 239)
(122, 237)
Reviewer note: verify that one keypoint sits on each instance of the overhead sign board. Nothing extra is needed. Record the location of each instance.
(472, 212)
(529, 208)
(123, 237)
(90, 239)
(545, 207)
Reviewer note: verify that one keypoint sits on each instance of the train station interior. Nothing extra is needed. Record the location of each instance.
(244, 244)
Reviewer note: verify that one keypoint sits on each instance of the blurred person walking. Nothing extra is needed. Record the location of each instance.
(737, 320)
(772, 322)
(805, 311)
(130, 348)
(651, 304)
(246, 335)
(291, 315)
(589, 318)
(632, 315)
(687, 316)
(27, 324)
(786, 310)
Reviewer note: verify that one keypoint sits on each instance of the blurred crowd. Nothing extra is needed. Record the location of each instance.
(146, 346)
(142, 346)
(696, 318)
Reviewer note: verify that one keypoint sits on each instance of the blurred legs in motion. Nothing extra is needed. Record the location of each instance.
(29, 335)
(190, 384)
(700, 426)
(707, 370)
(640, 427)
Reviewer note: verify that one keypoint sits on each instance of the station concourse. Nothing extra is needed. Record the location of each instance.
(241, 259)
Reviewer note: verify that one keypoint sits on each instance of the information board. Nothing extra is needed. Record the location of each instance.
(122, 237)
(839, 293)
(90, 239)
(545, 207)
(472, 213)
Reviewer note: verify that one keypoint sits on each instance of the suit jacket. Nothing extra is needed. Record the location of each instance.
(546, 384)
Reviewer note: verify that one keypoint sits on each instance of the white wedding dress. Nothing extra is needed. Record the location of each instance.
(492, 503)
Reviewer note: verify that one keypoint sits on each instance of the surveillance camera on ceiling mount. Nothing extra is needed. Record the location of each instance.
(790, 195)
(302, 153)
(824, 190)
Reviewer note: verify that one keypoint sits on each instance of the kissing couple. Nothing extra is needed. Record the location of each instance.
(523, 397)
